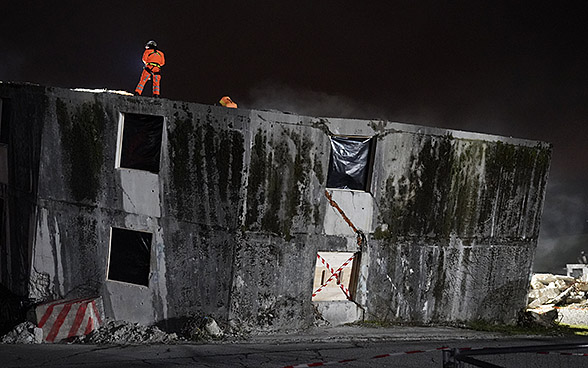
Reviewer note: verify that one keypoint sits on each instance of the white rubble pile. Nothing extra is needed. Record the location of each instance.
(24, 333)
(125, 333)
(549, 289)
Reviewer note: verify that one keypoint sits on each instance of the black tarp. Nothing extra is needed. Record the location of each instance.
(130, 256)
(349, 163)
(141, 145)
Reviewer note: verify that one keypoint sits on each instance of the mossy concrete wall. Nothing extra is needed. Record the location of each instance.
(238, 212)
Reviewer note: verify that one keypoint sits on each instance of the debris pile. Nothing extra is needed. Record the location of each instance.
(549, 292)
(126, 333)
(199, 328)
(548, 289)
(23, 333)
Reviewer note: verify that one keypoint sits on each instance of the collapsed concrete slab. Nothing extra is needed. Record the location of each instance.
(169, 209)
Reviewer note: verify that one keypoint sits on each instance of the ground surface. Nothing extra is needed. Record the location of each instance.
(360, 345)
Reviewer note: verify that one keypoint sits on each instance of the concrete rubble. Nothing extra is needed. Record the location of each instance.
(125, 333)
(23, 333)
(558, 298)
(118, 332)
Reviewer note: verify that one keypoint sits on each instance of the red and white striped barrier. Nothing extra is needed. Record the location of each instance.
(320, 364)
(334, 274)
(65, 319)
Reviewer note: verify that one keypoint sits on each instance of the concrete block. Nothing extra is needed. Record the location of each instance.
(545, 293)
(64, 319)
(545, 278)
(573, 315)
(339, 312)
(543, 315)
(23, 333)
(537, 284)
(212, 327)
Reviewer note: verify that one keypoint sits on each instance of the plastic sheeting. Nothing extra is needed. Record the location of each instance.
(141, 146)
(349, 164)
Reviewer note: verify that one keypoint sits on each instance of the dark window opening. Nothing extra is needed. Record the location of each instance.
(130, 256)
(350, 166)
(141, 142)
(4, 120)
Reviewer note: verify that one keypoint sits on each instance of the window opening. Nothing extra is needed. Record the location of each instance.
(332, 276)
(130, 256)
(141, 142)
(350, 164)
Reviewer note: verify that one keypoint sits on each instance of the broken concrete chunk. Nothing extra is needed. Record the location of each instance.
(568, 279)
(558, 299)
(24, 333)
(543, 316)
(212, 327)
(535, 284)
(125, 333)
(545, 293)
(544, 278)
(562, 284)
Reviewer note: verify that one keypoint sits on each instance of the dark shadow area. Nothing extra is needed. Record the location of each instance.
(130, 255)
(12, 310)
(141, 145)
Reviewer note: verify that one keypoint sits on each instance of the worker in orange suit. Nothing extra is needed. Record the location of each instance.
(227, 102)
(153, 59)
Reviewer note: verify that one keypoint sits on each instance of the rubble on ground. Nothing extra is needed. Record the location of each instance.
(127, 333)
(115, 332)
(549, 292)
(23, 333)
(557, 290)
(199, 328)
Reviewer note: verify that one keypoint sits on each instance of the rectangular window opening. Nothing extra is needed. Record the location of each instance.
(351, 161)
(129, 258)
(335, 276)
(139, 145)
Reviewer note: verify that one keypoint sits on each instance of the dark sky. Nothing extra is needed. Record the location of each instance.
(512, 68)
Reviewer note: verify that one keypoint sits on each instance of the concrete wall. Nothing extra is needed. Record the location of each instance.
(238, 212)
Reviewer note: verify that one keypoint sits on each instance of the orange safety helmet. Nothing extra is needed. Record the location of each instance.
(227, 102)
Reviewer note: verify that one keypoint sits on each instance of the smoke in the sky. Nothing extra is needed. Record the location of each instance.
(564, 228)
(270, 96)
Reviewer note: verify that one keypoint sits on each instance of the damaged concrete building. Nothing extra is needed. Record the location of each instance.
(168, 209)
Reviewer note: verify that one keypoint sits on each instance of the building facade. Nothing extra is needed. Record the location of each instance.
(262, 219)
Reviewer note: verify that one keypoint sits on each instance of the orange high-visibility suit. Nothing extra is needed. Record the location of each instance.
(227, 102)
(153, 60)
